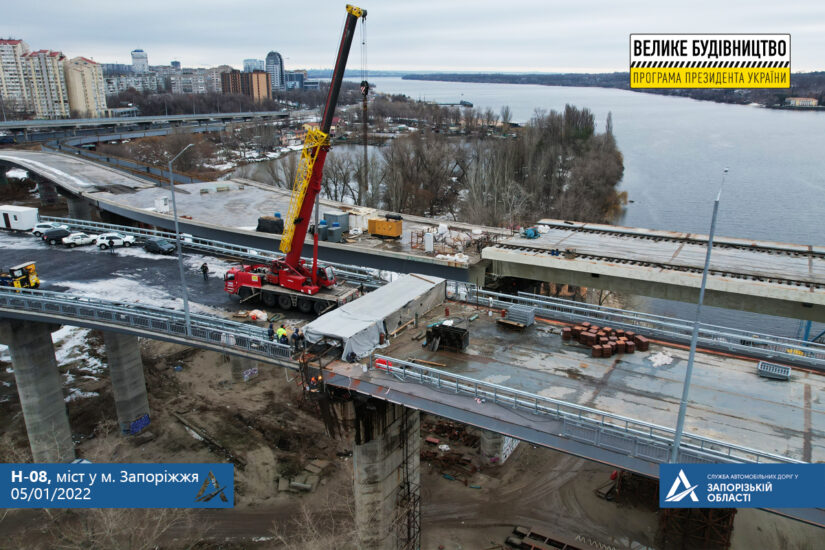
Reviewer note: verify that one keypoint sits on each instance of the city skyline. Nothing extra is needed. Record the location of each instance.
(462, 36)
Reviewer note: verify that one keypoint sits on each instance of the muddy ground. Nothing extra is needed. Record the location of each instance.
(267, 428)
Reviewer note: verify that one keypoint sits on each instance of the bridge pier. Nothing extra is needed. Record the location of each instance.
(128, 383)
(239, 365)
(387, 475)
(47, 192)
(3, 179)
(79, 208)
(496, 448)
(39, 388)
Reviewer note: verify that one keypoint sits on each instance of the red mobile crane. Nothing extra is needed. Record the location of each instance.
(289, 281)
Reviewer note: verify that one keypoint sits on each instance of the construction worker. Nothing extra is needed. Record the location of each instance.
(111, 246)
(281, 334)
(313, 384)
(297, 340)
(205, 271)
(271, 332)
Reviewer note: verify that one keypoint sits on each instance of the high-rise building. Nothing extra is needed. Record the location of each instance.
(295, 80)
(141, 82)
(140, 61)
(46, 82)
(213, 78)
(188, 81)
(113, 69)
(175, 65)
(85, 86)
(250, 65)
(256, 84)
(13, 87)
(275, 68)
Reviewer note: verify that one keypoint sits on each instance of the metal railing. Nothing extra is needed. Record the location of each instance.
(606, 430)
(206, 329)
(351, 274)
(617, 433)
(764, 346)
(789, 350)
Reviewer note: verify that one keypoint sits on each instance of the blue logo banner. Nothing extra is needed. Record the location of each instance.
(90, 485)
(742, 485)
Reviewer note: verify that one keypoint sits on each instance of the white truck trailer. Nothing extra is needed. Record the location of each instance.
(17, 218)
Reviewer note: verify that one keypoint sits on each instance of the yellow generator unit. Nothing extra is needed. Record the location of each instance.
(21, 276)
(389, 228)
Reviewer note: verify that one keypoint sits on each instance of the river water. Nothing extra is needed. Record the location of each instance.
(675, 150)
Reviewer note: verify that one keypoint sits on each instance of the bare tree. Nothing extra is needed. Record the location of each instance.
(339, 173)
(122, 528)
(506, 118)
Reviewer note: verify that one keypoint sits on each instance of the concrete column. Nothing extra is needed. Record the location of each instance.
(47, 192)
(387, 475)
(496, 448)
(79, 208)
(40, 389)
(128, 383)
(240, 365)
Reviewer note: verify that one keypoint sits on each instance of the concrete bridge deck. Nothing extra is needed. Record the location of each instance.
(728, 400)
(764, 277)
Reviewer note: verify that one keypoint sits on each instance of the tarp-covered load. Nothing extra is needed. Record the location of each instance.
(358, 325)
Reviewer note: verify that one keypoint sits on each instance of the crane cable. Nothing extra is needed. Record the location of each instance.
(364, 49)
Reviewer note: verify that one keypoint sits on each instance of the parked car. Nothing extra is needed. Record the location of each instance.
(41, 228)
(78, 239)
(159, 246)
(54, 236)
(117, 239)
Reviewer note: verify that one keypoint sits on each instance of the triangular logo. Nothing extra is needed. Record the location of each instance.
(681, 479)
(203, 496)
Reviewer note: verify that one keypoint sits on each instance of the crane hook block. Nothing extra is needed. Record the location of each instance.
(356, 11)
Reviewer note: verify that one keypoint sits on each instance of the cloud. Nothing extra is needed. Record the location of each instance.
(459, 35)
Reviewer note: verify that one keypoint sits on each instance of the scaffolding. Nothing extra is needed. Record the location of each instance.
(688, 528)
(407, 504)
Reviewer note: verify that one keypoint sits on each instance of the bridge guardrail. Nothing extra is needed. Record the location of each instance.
(351, 274)
(228, 334)
(789, 350)
(611, 431)
(769, 347)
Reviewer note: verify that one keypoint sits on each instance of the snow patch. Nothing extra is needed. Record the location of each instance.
(71, 347)
(192, 433)
(76, 394)
(17, 173)
(661, 358)
(497, 378)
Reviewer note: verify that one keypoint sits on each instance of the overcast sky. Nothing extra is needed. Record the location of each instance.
(445, 35)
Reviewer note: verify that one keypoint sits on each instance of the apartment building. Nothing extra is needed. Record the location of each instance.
(256, 84)
(86, 89)
(46, 82)
(13, 76)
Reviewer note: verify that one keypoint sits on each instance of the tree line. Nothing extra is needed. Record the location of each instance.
(557, 165)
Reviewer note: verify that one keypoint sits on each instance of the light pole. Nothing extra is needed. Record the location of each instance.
(177, 239)
(680, 422)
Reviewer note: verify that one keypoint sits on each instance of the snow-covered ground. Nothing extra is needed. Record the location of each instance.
(17, 173)
(71, 351)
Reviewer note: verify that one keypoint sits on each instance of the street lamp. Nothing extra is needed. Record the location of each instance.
(177, 238)
(680, 422)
